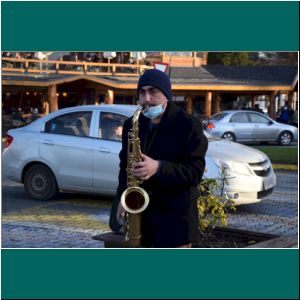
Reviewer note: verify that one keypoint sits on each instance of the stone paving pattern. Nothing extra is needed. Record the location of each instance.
(277, 214)
(72, 223)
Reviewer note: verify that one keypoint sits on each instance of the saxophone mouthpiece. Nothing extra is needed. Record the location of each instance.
(145, 108)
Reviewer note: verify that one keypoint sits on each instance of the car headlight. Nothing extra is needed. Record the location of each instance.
(233, 167)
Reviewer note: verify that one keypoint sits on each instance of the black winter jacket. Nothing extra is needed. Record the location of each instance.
(171, 219)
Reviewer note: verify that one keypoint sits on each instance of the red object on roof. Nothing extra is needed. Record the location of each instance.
(160, 66)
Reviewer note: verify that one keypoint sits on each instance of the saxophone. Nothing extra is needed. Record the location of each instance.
(134, 199)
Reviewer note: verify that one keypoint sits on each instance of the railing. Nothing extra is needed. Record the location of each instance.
(70, 67)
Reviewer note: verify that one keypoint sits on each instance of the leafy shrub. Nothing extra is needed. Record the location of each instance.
(213, 203)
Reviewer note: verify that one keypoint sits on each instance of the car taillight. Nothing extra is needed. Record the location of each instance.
(210, 125)
(8, 141)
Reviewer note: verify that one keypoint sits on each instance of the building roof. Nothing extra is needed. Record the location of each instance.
(252, 75)
(211, 76)
(48, 79)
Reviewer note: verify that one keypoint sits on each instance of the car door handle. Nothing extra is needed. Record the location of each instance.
(48, 142)
(104, 150)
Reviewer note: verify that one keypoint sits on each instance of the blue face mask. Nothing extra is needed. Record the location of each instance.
(154, 111)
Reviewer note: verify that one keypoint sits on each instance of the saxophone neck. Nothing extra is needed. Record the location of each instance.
(135, 120)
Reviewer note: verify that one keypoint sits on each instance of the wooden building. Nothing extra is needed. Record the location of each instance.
(178, 59)
(205, 90)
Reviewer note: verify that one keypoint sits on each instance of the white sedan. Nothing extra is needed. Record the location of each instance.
(76, 149)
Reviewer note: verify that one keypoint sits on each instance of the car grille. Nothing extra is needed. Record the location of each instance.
(263, 173)
(261, 169)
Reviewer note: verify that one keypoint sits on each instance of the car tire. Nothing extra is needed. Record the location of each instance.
(229, 136)
(285, 138)
(40, 183)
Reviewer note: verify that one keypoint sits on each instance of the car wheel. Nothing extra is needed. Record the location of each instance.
(40, 183)
(229, 136)
(285, 138)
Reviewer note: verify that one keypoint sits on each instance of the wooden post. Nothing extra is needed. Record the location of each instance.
(272, 105)
(189, 104)
(52, 98)
(163, 57)
(295, 100)
(96, 97)
(207, 106)
(277, 102)
(45, 107)
(45, 104)
(108, 69)
(109, 97)
(216, 103)
(290, 99)
(137, 64)
(219, 100)
(194, 58)
(26, 66)
(253, 99)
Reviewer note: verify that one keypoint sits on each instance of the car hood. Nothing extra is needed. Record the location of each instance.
(227, 150)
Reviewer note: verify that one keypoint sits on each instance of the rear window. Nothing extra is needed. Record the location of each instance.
(239, 118)
(76, 123)
(218, 116)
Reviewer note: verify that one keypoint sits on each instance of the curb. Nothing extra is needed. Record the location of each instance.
(278, 242)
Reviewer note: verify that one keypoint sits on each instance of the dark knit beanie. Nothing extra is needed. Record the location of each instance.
(158, 79)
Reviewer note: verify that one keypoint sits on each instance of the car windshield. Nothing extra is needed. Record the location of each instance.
(218, 116)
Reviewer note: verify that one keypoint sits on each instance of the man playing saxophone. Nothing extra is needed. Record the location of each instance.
(173, 149)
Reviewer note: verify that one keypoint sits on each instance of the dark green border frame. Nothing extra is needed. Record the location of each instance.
(152, 26)
(150, 274)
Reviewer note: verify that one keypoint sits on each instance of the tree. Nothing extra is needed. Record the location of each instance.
(263, 58)
(229, 58)
(276, 58)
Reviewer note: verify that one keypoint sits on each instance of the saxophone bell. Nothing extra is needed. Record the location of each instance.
(134, 200)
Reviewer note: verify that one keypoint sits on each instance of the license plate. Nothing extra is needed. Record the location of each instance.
(269, 183)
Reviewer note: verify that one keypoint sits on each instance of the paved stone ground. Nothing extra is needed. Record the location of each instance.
(71, 223)
(56, 224)
(277, 214)
(20, 236)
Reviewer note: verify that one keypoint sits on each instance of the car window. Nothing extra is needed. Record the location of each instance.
(77, 123)
(239, 118)
(255, 118)
(111, 126)
(218, 116)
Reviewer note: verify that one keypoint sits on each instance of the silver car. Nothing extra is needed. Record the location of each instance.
(250, 126)
(77, 149)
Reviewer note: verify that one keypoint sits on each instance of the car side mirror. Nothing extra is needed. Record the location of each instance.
(271, 123)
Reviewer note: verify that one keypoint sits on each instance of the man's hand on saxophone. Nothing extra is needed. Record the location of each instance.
(145, 168)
